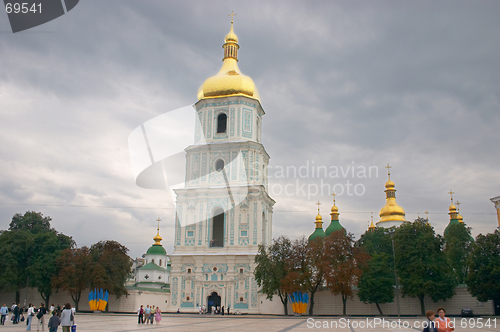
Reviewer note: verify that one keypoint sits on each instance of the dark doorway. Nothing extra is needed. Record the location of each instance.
(496, 304)
(217, 229)
(213, 300)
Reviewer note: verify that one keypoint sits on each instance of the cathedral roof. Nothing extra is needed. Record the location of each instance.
(229, 81)
(318, 232)
(334, 224)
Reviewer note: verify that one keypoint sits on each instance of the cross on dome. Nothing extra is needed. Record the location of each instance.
(232, 15)
(388, 170)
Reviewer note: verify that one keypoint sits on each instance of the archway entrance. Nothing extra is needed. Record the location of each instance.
(213, 300)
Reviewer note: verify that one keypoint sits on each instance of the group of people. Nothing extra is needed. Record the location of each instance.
(439, 324)
(216, 310)
(150, 314)
(58, 317)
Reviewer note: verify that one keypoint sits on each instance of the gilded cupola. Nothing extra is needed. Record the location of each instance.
(157, 248)
(391, 214)
(334, 223)
(229, 81)
(318, 232)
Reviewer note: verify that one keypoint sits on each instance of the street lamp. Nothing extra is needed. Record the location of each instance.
(391, 231)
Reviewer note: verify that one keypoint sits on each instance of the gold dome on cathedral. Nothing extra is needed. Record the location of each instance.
(229, 81)
(391, 210)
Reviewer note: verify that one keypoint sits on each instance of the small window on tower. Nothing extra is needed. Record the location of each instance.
(241, 270)
(221, 123)
(189, 270)
(219, 165)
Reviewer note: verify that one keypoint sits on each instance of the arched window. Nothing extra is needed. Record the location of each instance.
(241, 270)
(217, 229)
(160, 262)
(153, 261)
(189, 270)
(221, 123)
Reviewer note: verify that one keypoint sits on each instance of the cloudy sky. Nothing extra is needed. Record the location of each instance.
(343, 83)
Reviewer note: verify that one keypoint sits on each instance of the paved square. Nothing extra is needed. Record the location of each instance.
(202, 323)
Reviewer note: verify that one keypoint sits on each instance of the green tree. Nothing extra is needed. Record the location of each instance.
(30, 248)
(111, 267)
(377, 282)
(47, 247)
(31, 221)
(422, 266)
(270, 268)
(14, 260)
(484, 268)
(458, 243)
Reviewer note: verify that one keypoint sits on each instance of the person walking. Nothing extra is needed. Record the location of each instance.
(141, 315)
(4, 311)
(67, 318)
(59, 310)
(41, 317)
(443, 323)
(158, 315)
(17, 310)
(54, 322)
(31, 314)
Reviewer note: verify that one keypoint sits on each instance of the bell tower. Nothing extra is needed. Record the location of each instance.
(224, 210)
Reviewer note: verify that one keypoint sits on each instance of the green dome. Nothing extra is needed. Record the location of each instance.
(318, 232)
(452, 222)
(156, 249)
(334, 226)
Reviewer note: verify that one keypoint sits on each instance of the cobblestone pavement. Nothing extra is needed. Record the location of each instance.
(202, 323)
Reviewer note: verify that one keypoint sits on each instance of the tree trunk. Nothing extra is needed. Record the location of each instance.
(344, 302)
(284, 301)
(422, 306)
(46, 299)
(379, 310)
(76, 299)
(311, 301)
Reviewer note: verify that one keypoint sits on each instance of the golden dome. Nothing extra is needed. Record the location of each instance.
(319, 218)
(157, 238)
(460, 218)
(231, 36)
(453, 208)
(229, 81)
(391, 210)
